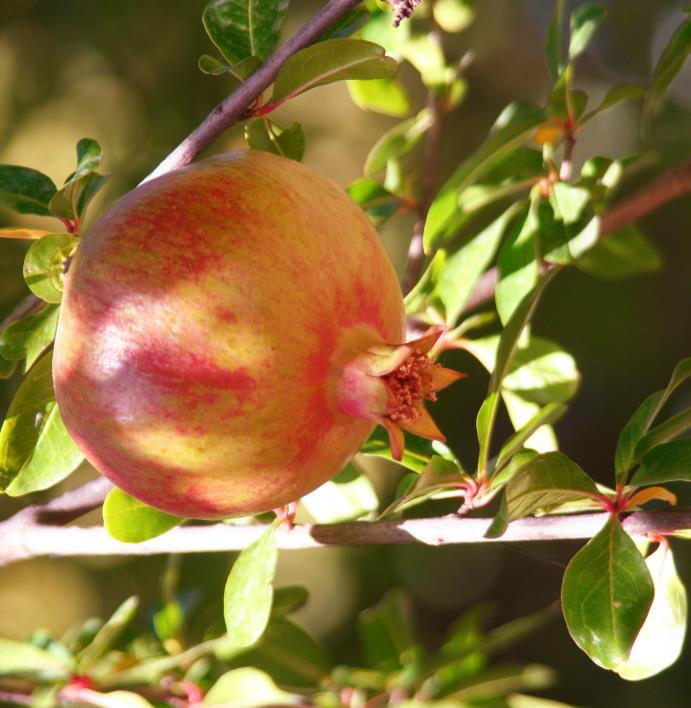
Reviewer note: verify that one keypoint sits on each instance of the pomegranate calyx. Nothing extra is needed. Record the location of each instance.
(389, 384)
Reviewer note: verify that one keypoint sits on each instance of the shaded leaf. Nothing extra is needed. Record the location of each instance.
(329, 61)
(132, 521)
(661, 639)
(249, 591)
(622, 254)
(264, 134)
(71, 200)
(670, 429)
(398, 141)
(386, 96)
(25, 190)
(376, 201)
(349, 495)
(614, 97)
(44, 265)
(425, 294)
(553, 49)
(350, 23)
(28, 338)
(244, 28)
(513, 126)
(36, 451)
(668, 66)
(109, 633)
(289, 599)
(606, 594)
(669, 462)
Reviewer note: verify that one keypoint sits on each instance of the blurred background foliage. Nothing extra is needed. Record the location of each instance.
(125, 74)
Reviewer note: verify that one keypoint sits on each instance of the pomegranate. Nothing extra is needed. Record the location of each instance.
(230, 335)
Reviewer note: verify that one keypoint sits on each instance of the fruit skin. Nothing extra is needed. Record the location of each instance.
(207, 318)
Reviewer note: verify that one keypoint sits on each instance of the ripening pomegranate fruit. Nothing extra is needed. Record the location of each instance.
(230, 335)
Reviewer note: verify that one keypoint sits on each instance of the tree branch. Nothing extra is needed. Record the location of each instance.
(32, 532)
(671, 185)
(232, 108)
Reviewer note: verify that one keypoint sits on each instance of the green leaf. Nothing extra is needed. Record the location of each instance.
(398, 141)
(329, 61)
(21, 660)
(621, 254)
(377, 202)
(28, 338)
(521, 411)
(237, 72)
(44, 265)
(384, 632)
(263, 134)
(553, 48)
(386, 96)
(463, 268)
(131, 521)
(585, 21)
(288, 599)
(661, 639)
(513, 126)
(416, 454)
(549, 414)
(669, 462)
(249, 591)
(454, 15)
(642, 419)
(24, 190)
(668, 66)
(244, 28)
(36, 451)
(484, 424)
(614, 97)
(109, 633)
(248, 688)
(427, 56)
(89, 156)
(546, 480)
(7, 368)
(380, 30)
(606, 594)
(671, 428)
(168, 621)
(349, 495)
(517, 262)
(350, 23)
(71, 200)
(425, 294)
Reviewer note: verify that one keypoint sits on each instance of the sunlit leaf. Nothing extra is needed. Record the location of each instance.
(454, 15)
(248, 688)
(376, 201)
(25, 190)
(28, 338)
(36, 451)
(661, 639)
(22, 233)
(668, 430)
(606, 594)
(386, 96)
(109, 633)
(244, 28)
(425, 53)
(18, 659)
(129, 520)
(585, 21)
(44, 265)
(622, 254)
(669, 462)
(329, 61)
(249, 590)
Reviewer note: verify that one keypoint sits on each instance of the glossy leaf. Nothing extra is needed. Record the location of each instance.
(517, 262)
(661, 639)
(244, 28)
(25, 190)
(36, 451)
(71, 200)
(668, 430)
(514, 125)
(19, 659)
(585, 21)
(668, 66)
(89, 156)
(132, 521)
(236, 72)
(329, 61)
(386, 96)
(264, 134)
(44, 265)
(248, 688)
(463, 268)
(29, 337)
(349, 495)
(521, 411)
(484, 424)
(622, 254)
(642, 419)
(109, 633)
(606, 594)
(376, 201)
(249, 591)
(398, 141)
(669, 462)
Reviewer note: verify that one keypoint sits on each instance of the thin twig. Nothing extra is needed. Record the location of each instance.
(416, 252)
(671, 185)
(232, 108)
(28, 535)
